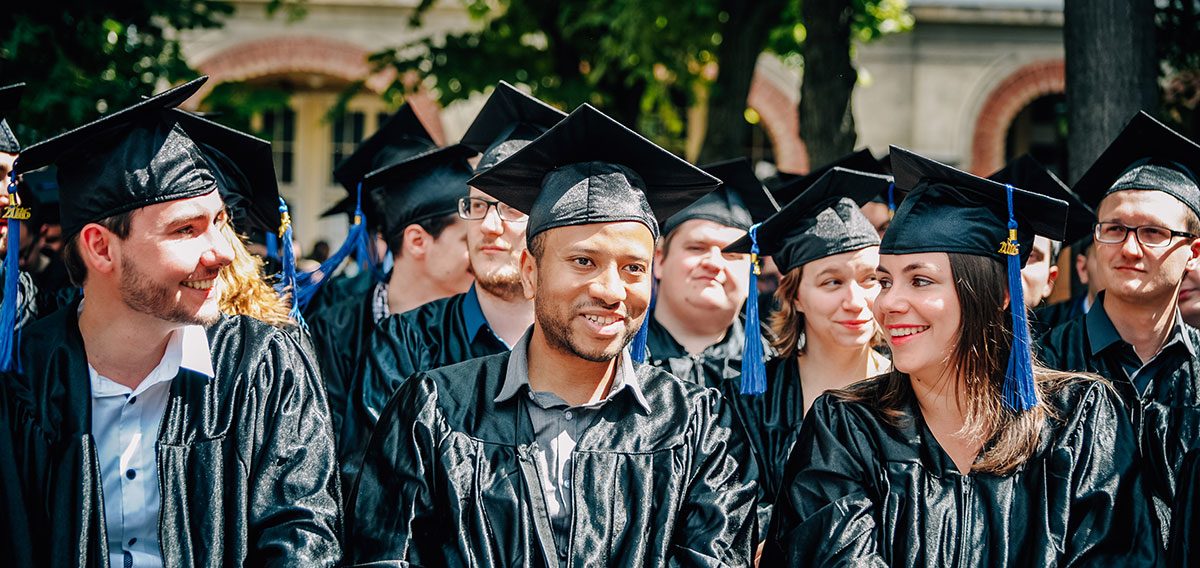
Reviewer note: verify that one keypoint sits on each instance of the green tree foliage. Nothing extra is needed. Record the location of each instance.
(1177, 44)
(640, 60)
(82, 57)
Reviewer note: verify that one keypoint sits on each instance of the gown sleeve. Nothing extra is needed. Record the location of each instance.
(392, 510)
(1110, 522)
(1185, 518)
(295, 500)
(717, 521)
(824, 514)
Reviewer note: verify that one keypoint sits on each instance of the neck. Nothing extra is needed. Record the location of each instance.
(508, 319)
(1144, 324)
(695, 332)
(573, 379)
(121, 344)
(835, 366)
(410, 286)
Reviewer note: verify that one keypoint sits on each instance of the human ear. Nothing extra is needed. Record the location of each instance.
(529, 274)
(99, 249)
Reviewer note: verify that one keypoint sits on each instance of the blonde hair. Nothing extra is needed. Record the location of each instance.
(244, 290)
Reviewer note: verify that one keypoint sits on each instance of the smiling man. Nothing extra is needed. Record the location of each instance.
(695, 332)
(563, 451)
(149, 430)
(1147, 201)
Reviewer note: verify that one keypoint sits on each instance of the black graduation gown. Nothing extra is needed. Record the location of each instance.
(424, 338)
(339, 334)
(861, 492)
(1166, 416)
(245, 461)
(1185, 518)
(718, 363)
(341, 286)
(1050, 316)
(450, 479)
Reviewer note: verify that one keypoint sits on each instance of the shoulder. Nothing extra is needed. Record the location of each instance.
(429, 311)
(1074, 399)
(246, 339)
(1064, 338)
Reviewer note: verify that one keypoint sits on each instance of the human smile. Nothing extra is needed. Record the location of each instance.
(203, 285)
(901, 334)
(606, 325)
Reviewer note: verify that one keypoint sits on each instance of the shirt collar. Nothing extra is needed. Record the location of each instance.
(1102, 333)
(472, 313)
(517, 374)
(187, 348)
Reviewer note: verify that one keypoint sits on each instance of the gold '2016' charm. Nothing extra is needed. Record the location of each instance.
(1010, 247)
(17, 212)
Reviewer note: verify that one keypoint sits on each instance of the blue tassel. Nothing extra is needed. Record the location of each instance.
(637, 349)
(287, 281)
(272, 246)
(359, 241)
(12, 275)
(754, 371)
(1020, 392)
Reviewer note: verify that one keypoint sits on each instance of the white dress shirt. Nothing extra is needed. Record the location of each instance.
(125, 424)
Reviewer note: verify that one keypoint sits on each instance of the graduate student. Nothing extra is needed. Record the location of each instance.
(965, 454)
(146, 428)
(491, 315)
(1147, 203)
(563, 451)
(695, 331)
(824, 329)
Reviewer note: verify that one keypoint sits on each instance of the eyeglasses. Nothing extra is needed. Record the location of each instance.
(1147, 235)
(476, 209)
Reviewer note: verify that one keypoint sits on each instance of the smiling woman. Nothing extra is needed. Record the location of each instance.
(965, 450)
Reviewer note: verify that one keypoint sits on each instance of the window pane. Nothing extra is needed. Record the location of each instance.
(347, 132)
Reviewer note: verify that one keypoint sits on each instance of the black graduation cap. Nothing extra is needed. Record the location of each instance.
(39, 192)
(1145, 155)
(1027, 173)
(740, 202)
(123, 161)
(823, 221)
(425, 186)
(400, 137)
(245, 172)
(591, 169)
(508, 121)
(793, 185)
(10, 98)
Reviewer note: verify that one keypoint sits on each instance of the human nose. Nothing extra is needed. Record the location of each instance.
(492, 223)
(220, 251)
(608, 286)
(1131, 246)
(855, 298)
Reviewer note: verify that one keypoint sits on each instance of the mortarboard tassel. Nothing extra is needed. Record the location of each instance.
(637, 348)
(891, 200)
(8, 311)
(272, 246)
(1020, 392)
(287, 283)
(754, 372)
(358, 241)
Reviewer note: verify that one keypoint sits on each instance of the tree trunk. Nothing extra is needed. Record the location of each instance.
(826, 117)
(1111, 73)
(744, 36)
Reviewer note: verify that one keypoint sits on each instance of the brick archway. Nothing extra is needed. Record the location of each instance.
(312, 55)
(781, 120)
(1004, 102)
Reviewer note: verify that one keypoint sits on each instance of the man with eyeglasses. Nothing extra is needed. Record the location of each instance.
(490, 316)
(1147, 199)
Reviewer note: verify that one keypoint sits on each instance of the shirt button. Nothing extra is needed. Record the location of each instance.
(132, 541)
(130, 473)
(132, 399)
(568, 415)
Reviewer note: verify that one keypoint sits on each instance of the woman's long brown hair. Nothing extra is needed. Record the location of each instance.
(980, 357)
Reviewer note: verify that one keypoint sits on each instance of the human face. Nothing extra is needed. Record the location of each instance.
(1189, 297)
(447, 261)
(1134, 272)
(168, 265)
(494, 247)
(695, 275)
(920, 312)
(879, 216)
(836, 296)
(1039, 274)
(591, 287)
